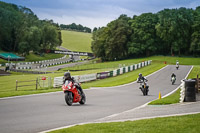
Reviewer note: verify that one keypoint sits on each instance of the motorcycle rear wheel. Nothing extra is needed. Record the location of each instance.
(69, 98)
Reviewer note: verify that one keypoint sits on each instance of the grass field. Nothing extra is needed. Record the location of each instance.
(176, 124)
(76, 41)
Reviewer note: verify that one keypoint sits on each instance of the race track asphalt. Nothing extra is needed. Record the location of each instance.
(36, 113)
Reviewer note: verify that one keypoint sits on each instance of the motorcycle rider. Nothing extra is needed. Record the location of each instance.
(173, 75)
(141, 78)
(177, 63)
(67, 76)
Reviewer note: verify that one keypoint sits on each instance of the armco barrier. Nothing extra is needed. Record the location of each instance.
(103, 75)
(58, 81)
(85, 78)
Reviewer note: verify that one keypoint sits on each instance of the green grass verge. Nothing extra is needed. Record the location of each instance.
(76, 41)
(171, 99)
(195, 71)
(176, 124)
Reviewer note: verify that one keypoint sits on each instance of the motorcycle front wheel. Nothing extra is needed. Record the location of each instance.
(69, 98)
(83, 99)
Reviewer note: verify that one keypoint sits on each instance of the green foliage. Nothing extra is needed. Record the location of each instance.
(168, 32)
(174, 28)
(110, 43)
(21, 31)
(195, 41)
(178, 124)
(75, 27)
(143, 39)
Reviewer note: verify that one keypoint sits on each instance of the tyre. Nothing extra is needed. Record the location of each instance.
(144, 91)
(83, 99)
(69, 98)
(147, 90)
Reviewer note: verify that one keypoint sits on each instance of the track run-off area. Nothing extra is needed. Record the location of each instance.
(37, 113)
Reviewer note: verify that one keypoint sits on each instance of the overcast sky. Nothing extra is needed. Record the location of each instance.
(97, 13)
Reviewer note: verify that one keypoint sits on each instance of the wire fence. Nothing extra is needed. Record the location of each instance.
(40, 82)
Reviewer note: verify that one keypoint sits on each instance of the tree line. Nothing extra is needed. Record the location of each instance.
(21, 31)
(75, 27)
(167, 32)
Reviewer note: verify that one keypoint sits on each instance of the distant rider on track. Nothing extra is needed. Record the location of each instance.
(141, 78)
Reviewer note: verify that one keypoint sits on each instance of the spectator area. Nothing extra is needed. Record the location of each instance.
(11, 57)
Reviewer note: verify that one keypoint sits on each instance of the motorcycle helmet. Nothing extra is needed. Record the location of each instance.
(67, 75)
(140, 74)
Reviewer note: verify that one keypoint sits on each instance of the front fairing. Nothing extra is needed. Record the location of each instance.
(67, 86)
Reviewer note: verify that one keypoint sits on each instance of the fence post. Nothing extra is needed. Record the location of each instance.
(16, 85)
(36, 83)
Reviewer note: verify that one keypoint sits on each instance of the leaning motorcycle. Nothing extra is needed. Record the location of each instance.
(144, 88)
(72, 94)
(173, 80)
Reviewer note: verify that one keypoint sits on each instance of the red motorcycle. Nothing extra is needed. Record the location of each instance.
(72, 94)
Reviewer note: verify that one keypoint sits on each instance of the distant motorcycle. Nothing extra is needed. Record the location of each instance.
(144, 88)
(72, 94)
(177, 66)
(173, 80)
